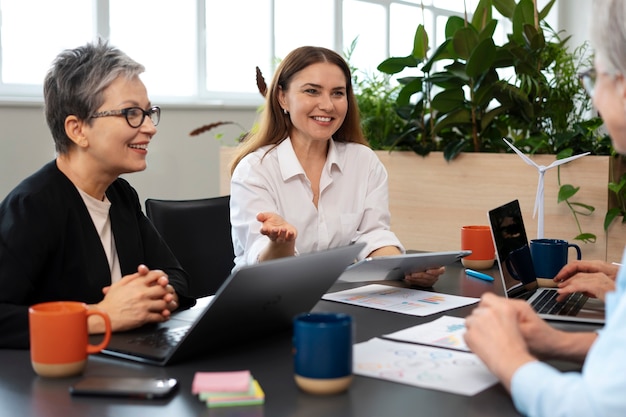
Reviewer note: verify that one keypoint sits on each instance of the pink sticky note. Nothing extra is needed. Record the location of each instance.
(234, 381)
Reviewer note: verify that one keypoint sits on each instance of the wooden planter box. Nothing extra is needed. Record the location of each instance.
(430, 199)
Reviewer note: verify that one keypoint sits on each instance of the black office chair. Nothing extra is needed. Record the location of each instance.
(198, 232)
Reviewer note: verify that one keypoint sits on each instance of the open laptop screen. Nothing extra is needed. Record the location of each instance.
(509, 235)
(513, 254)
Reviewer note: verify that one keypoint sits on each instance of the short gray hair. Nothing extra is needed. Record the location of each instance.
(75, 83)
(608, 34)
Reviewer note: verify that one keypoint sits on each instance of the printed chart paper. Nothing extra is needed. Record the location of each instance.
(400, 300)
(446, 332)
(422, 366)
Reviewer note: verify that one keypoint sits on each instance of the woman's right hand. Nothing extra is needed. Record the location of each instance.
(282, 236)
(276, 228)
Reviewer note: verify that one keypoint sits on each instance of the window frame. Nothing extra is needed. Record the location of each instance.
(203, 96)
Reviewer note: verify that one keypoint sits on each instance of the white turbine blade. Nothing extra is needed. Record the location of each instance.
(521, 154)
(565, 160)
(538, 210)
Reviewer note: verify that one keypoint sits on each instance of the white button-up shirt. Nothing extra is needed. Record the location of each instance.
(353, 205)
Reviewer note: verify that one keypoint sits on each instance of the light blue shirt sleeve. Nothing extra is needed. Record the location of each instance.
(540, 390)
(598, 390)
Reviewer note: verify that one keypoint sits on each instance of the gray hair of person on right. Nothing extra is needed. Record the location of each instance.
(608, 34)
(75, 83)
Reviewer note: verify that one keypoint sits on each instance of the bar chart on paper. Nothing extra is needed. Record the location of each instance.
(399, 300)
(446, 332)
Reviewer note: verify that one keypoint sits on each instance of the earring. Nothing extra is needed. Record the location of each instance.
(285, 111)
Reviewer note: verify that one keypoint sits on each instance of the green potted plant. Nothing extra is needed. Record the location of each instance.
(468, 106)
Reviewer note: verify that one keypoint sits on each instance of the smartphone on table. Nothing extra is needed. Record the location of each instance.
(130, 387)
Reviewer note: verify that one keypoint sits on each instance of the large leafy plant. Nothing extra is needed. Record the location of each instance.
(469, 92)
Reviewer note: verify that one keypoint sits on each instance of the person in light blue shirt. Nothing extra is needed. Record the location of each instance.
(510, 337)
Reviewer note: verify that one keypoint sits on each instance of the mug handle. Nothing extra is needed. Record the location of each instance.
(511, 268)
(579, 254)
(107, 331)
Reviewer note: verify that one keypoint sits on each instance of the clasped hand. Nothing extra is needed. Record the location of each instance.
(143, 297)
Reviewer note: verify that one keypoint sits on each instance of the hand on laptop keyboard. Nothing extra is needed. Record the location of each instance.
(592, 278)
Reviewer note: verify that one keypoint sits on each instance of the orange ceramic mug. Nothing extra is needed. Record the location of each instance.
(478, 239)
(59, 337)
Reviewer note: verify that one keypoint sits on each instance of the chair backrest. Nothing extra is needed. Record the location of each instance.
(199, 234)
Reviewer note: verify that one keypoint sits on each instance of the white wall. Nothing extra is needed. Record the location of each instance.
(573, 19)
(179, 166)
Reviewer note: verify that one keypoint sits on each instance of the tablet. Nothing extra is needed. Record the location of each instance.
(395, 267)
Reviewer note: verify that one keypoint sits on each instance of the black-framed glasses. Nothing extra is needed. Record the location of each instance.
(588, 80)
(134, 115)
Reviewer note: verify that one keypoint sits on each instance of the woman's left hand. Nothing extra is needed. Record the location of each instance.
(425, 279)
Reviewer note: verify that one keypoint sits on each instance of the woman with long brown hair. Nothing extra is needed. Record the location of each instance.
(307, 180)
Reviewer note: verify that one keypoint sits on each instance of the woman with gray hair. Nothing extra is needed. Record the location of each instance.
(74, 230)
(507, 334)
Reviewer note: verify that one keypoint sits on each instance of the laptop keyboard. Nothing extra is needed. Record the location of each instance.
(162, 339)
(546, 303)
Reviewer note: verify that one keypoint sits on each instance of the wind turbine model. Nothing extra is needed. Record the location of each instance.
(541, 169)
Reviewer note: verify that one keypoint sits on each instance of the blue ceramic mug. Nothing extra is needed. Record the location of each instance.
(322, 352)
(550, 255)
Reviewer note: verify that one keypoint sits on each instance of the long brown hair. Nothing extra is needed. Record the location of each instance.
(274, 126)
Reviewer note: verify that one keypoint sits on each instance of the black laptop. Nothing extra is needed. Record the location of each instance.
(256, 300)
(509, 234)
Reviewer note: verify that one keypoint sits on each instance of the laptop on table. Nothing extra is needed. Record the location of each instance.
(509, 235)
(259, 299)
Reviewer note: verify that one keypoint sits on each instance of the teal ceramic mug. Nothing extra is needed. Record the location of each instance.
(322, 352)
(549, 256)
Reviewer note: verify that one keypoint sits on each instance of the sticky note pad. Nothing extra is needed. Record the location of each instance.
(256, 396)
(233, 381)
(251, 391)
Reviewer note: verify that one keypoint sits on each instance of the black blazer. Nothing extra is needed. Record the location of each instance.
(50, 249)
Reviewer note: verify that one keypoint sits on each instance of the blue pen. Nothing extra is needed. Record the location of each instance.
(478, 275)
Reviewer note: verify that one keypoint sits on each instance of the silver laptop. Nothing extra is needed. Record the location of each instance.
(509, 236)
(395, 267)
(254, 301)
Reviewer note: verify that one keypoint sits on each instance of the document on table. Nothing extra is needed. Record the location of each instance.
(400, 300)
(422, 366)
(446, 332)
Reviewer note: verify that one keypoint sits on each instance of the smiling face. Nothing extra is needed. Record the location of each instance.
(316, 101)
(112, 145)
